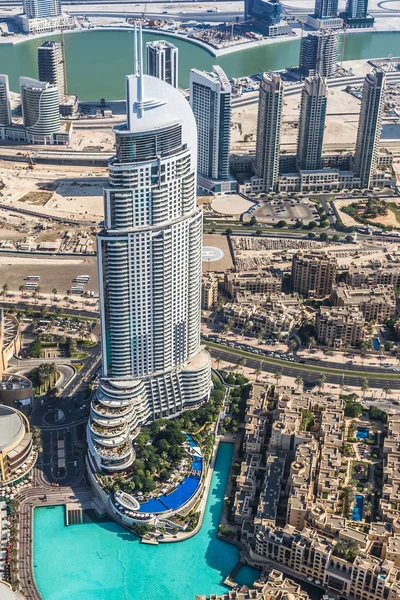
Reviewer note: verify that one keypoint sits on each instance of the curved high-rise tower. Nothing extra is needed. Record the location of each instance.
(149, 256)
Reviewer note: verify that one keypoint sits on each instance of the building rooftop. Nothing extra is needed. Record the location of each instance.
(11, 427)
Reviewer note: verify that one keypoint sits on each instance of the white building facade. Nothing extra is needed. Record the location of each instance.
(149, 261)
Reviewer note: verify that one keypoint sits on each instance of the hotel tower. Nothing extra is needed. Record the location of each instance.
(149, 263)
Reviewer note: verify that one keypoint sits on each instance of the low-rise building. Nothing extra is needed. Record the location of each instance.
(339, 326)
(273, 318)
(262, 281)
(376, 303)
(209, 290)
(376, 273)
(274, 587)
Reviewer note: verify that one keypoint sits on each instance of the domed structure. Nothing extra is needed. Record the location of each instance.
(6, 592)
(17, 455)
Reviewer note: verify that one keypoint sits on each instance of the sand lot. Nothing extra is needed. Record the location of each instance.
(76, 192)
(82, 198)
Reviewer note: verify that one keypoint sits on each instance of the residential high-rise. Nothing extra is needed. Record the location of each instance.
(356, 14)
(267, 16)
(36, 9)
(162, 61)
(40, 109)
(369, 126)
(149, 263)
(268, 130)
(311, 123)
(326, 8)
(319, 53)
(51, 66)
(5, 105)
(313, 273)
(210, 99)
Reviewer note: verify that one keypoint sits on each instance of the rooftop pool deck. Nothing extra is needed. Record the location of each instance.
(183, 492)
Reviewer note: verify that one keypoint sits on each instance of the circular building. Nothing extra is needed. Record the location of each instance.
(17, 455)
(15, 390)
(6, 592)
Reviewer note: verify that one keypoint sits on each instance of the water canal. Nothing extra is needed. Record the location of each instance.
(97, 61)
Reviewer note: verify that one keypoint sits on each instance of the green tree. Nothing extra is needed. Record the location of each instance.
(364, 386)
(321, 381)
(298, 381)
(35, 349)
(323, 237)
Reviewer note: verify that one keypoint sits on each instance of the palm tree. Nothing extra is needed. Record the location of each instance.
(364, 386)
(242, 363)
(257, 373)
(278, 376)
(312, 342)
(387, 390)
(321, 381)
(54, 292)
(298, 381)
(5, 290)
(21, 290)
(381, 351)
(218, 362)
(367, 510)
(363, 351)
(292, 344)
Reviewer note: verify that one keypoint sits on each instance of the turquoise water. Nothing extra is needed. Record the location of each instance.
(103, 561)
(358, 508)
(97, 61)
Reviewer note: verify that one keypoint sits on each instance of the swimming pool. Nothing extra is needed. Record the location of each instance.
(375, 343)
(362, 433)
(358, 507)
(182, 493)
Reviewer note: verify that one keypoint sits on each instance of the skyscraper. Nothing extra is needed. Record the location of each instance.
(5, 106)
(326, 8)
(51, 66)
(149, 262)
(369, 126)
(267, 16)
(319, 52)
(311, 123)
(356, 14)
(268, 130)
(210, 99)
(35, 9)
(40, 109)
(162, 61)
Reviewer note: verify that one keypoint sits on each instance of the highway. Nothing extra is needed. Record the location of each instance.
(291, 369)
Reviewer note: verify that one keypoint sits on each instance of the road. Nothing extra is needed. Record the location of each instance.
(295, 369)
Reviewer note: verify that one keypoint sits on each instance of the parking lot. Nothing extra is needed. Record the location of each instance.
(288, 209)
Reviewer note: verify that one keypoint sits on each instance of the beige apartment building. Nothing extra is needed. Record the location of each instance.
(209, 290)
(313, 273)
(312, 555)
(262, 282)
(339, 326)
(375, 303)
(275, 587)
(374, 274)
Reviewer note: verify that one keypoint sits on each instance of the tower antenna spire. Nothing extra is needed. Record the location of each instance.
(140, 72)
(135, 50)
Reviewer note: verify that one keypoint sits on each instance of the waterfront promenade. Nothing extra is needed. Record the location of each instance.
(30, 499)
